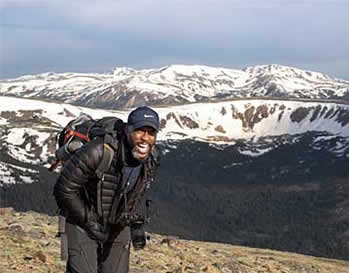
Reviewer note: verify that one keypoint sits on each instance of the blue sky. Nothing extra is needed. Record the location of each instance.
(97, 36)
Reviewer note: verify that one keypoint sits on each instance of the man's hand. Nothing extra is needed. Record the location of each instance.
(95, 231)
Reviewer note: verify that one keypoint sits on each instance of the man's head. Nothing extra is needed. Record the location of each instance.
(142, 127)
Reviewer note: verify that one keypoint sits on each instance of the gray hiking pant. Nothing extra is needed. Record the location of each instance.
(89, 256)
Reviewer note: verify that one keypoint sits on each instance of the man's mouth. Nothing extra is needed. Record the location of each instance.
(143, 148)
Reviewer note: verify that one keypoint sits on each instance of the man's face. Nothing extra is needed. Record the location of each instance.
(143, 139)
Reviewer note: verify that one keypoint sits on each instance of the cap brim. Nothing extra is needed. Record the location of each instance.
(144, 124)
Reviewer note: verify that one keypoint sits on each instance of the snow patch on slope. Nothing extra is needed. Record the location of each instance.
(12, 174)
(204, 121)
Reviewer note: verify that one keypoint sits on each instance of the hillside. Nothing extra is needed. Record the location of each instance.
(29, 244)
(282, 200)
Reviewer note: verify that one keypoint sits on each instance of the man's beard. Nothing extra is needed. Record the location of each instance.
(137, 155)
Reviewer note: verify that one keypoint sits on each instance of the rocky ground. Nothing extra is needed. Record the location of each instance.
(28, 244)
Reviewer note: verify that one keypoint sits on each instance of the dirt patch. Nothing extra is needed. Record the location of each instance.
(300, 114)
(172, 115)
(343, 117)
(68, 113)
(223, 111)
(220, 129)
(251, 116)
(188, 122)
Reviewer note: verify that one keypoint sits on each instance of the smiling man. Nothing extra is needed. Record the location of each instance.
(106, 211)
(142, 126)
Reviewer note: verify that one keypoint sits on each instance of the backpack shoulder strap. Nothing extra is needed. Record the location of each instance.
(104, 165)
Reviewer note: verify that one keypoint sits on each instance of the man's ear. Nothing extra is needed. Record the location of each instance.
(127, 130)
(128, 135)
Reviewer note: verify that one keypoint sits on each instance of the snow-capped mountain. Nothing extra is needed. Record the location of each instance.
(29, 127)
(176, 84)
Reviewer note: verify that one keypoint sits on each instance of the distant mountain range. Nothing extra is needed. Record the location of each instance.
(255, 157)
(29, 127)
(176, 84)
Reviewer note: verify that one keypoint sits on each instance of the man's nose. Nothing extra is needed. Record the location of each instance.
(145, 135)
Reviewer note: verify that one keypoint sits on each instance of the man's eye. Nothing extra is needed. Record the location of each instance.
(150, 132)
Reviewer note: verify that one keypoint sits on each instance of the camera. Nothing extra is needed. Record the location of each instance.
(138, 234)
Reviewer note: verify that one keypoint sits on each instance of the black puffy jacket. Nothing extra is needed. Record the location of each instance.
(82, 195)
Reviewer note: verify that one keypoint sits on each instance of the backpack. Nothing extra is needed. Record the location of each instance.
(83, 129)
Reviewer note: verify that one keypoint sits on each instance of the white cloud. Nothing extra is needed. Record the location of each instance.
(222, 19)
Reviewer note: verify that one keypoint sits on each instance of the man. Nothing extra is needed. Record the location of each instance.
(101, 209)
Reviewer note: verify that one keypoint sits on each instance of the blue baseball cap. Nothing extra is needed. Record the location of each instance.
(143, 116)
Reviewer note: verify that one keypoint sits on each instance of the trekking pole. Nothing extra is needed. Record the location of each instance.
(147, 205)
(64, 240)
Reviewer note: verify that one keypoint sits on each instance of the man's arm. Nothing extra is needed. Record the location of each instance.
(73, 178)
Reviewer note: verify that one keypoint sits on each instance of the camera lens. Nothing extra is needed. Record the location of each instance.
(138, 235)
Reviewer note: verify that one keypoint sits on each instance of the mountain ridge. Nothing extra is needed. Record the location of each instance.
(176, 84)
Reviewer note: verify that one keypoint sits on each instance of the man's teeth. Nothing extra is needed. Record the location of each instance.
(143, 147)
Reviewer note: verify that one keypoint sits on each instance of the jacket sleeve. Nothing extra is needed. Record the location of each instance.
(69, 188)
